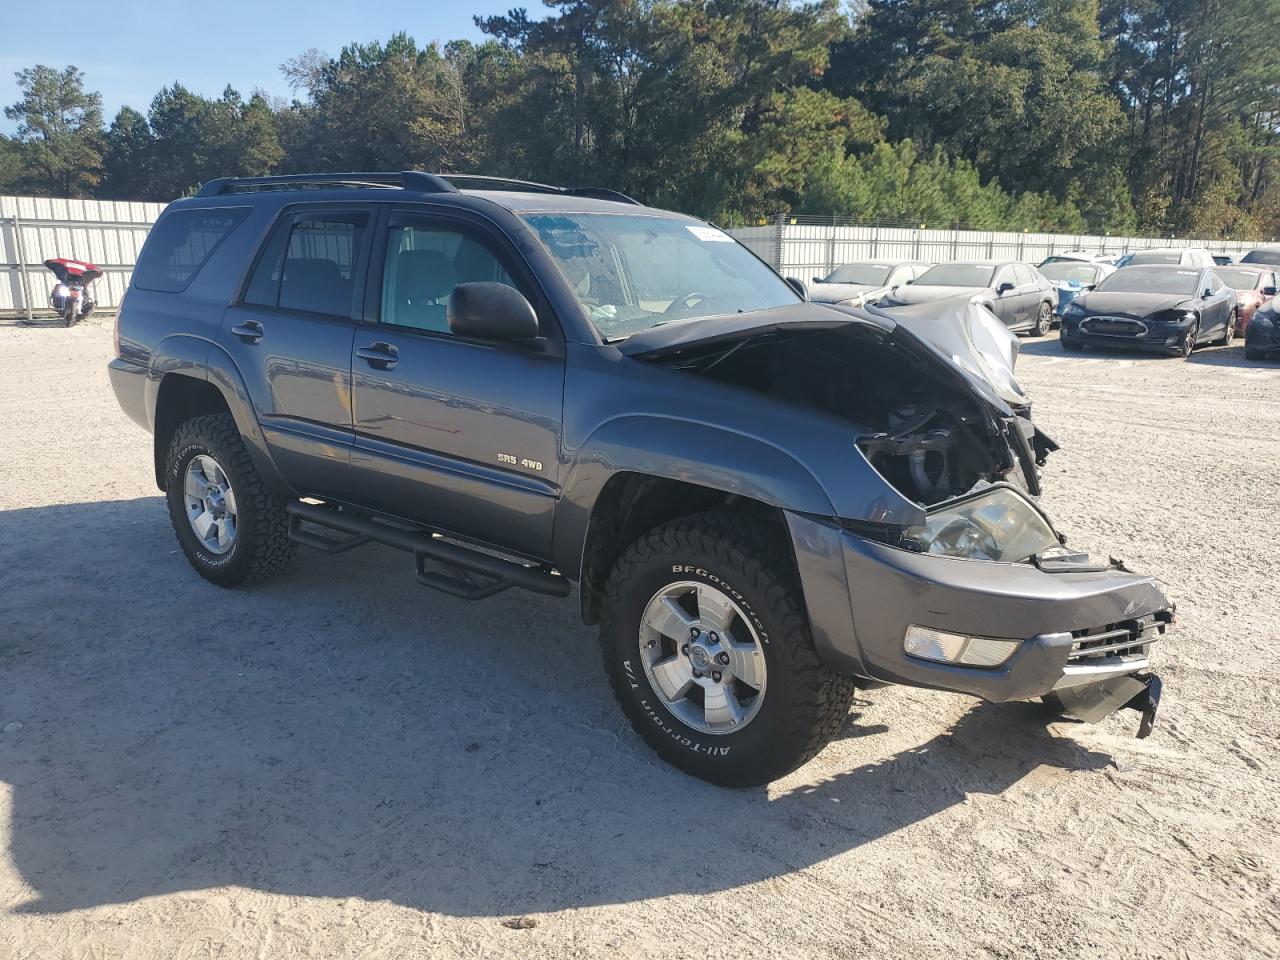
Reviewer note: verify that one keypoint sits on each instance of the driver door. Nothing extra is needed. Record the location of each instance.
(459, 434)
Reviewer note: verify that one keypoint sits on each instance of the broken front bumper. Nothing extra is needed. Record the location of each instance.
(1072, 629)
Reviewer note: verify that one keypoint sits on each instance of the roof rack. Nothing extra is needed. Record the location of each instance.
(408, 180)
(530, 186)
(415, 180)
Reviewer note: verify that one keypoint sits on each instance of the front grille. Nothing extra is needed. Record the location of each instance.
(1115, 327)
(1129, 638)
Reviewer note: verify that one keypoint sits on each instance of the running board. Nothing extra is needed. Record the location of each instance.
(478, 575)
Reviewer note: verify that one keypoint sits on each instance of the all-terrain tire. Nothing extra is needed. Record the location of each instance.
(804, 704)
(262, 546)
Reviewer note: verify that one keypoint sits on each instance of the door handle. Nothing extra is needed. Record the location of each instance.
(379, 355)
(250, 331)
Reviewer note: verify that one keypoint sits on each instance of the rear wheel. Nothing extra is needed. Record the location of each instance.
(1230, 333)
(710, 656)
(231, 527)
(1044, 320)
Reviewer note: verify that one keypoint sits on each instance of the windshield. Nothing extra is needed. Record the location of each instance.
(1240, 279)
(1065, 272)
(1271, 257)
(1161, 256)
(631, 272)
(868, 274)
(1143, 280)
(957, 275)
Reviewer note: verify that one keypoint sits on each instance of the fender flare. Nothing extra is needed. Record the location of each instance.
(685, 451)
(201, 359)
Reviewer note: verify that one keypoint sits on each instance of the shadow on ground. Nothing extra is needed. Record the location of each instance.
(342, 732)
(1232, 356)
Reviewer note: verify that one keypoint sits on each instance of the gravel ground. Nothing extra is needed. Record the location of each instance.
(341, 764)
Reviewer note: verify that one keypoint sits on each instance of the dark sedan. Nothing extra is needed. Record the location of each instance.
(1262, 339)
(1167, 309)
(1016, 293)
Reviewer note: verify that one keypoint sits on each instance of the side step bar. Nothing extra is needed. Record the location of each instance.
(498, 574)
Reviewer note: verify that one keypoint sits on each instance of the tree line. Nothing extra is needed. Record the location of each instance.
(1074, 115)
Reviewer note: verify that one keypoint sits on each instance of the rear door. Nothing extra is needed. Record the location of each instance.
(1006, 303)
(1220, 300)
(459, 434)
(1029, 293)
(290, 333)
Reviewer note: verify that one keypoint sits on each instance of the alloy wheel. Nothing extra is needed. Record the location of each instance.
(210, 503)
(703, 657)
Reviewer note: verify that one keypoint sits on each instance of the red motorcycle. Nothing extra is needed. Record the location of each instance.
(70, 295)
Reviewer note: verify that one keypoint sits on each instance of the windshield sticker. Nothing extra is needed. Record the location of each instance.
(709, 234)
(1187, 273)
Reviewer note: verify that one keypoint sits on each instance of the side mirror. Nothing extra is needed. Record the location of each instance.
(911, 281)
(1207, 292)
(1268, 291)
(817, 279)
(1004, 288)
(1090, 286)
(489, 310)
(799, 287)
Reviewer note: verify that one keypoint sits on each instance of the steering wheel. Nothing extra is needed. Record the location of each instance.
(681, 304)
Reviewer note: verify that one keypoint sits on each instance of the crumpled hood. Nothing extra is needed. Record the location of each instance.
(971, 337)
(964, 336)
(835, 292)
(912, 293)
(1131, 304)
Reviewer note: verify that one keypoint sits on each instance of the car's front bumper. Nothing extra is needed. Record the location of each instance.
(1073, 629)
(1166, 336)
(1263, 334)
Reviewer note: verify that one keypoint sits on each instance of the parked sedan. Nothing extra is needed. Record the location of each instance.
(1270, 256)
(1262, 339)
(1254, 285)
(1016, 293)
(1170, 309)
(858, 284)
(1072, 278)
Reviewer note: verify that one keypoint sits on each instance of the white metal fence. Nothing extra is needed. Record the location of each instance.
(107, 233)
(806, 249)
(110, 234)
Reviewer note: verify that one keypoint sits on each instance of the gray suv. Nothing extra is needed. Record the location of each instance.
(765, 502)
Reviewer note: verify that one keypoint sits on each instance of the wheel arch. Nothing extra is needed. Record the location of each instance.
(191, 378)
(630, 504)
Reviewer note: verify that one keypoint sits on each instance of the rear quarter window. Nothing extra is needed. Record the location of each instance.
(180, 244)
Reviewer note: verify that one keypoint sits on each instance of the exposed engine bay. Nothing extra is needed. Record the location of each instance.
(918, 425)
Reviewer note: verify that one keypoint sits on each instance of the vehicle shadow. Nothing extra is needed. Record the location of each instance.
(1231, 356)
(342, 732)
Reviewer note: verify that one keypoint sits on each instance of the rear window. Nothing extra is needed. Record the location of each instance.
(1269, 257)
(1158, 256)
(180, 244)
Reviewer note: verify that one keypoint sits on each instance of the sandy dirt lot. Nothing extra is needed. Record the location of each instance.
(342, 764)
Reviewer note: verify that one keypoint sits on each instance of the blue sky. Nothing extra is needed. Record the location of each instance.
(128, 49)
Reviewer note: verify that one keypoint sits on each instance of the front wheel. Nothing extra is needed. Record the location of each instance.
(710, 655)
(69, 313)
(1189, 344)
(231, 527)
(1044, 321)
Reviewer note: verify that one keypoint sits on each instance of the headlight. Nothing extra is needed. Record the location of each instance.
(1076, 309)
(999, 524)
(853, 302)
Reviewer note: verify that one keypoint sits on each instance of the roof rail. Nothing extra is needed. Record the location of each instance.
(415, 180)
(531, 186)
(408, 179)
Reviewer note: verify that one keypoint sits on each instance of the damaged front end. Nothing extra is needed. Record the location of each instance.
(980, 595)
